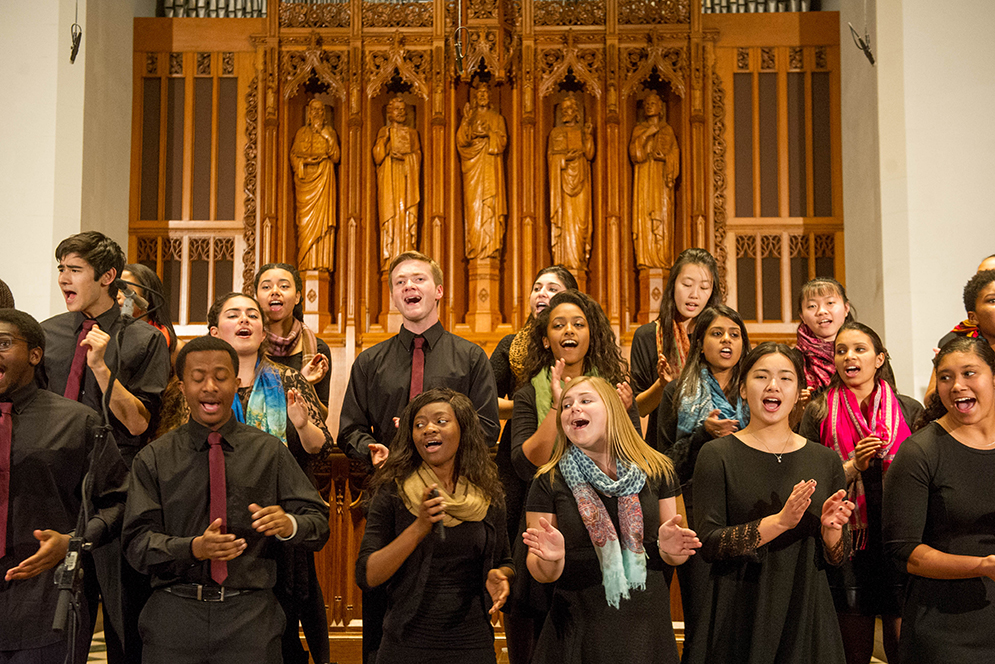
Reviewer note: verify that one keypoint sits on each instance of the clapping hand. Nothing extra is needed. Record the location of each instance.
(625, 394)
(676, 541)
(717, 427)
(796, 504)
(865, 450)
(836, 511)
(545, 542)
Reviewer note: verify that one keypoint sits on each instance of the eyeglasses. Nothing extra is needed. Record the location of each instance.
(7, 342)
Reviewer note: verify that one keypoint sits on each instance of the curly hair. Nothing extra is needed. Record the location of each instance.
(473, 458)
(298, 311)
(603, 353)
(668, 306)
(974, 286)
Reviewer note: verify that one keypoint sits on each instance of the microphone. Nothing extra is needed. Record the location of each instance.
(131, 299)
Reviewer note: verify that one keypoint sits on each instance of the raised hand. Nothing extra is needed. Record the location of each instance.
(297, 411)
(378, 454)
(316, 369)
(796, 504)
(865, 450)
(215, 545)
(717, 427)
(676, 541)
(836, 511)
(556, 376)
(96, 341)
(625, 394)
(498, 587)
(664, 371)
(545, 542)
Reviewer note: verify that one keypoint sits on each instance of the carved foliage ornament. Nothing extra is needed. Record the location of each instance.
(151, 64)
(330, 67)
(249, 183)
(326, 15)
(203, 64)
(569, 12)
(482, 48)
(413, 66)
(719, 173)
(397, 15)
(634, 12)
(671, 64)
(586, 64)
(482, 8)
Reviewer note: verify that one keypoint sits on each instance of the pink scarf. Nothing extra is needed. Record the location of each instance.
(819, 364)
(845, 426)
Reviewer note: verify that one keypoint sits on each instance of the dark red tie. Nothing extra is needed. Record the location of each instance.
(79, 363)
(6, 429)
(219, 506)
(417, 368)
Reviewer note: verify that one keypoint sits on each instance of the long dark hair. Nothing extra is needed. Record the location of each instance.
(298, 312)
(565, 276)
(603, 352)
(977, 345)
(155, 294)
(690, 378)
(473, 459)
(668, 307)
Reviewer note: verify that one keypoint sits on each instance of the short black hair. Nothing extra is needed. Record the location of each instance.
(101, 252)
(26, 324)
(974, 286)
(6, 297)
(205, 343)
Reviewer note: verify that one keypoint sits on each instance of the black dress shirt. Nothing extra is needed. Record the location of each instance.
(51, 443)
(380, 383)
(144, 367)
(170, 495)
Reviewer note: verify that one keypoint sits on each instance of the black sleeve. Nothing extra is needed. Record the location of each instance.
(911, 409)
(504, 377)
(502, 557)
(483, 395)
(643, 359)
(720, 540)
(809, 427)
(292, 379)
(541, 499)
(297, 496)
(380, 531)
(109, 490)
(906, 498)
(322, 386)
(684, 450)
(666, 420)
(524, 423)
(148, 379)
(355, 427)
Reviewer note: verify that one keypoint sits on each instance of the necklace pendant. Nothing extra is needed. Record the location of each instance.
(778, 459)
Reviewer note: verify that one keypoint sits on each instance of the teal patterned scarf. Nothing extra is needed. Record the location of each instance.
(708, 397)
(267, 407)
(622, 567)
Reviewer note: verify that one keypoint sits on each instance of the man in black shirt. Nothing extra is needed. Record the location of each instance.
(169, 531)
(51, 440)
(89, 264)
(385, 377)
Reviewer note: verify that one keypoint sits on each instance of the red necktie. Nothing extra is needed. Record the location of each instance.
(219, 507)
(6, 429)
(79, 363)
(417, 368)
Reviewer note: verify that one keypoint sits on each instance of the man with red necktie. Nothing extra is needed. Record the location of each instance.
(421, 356)
(210, 504)
(82, 347)
(46, 441)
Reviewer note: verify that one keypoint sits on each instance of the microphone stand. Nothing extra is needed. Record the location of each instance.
(69, 574)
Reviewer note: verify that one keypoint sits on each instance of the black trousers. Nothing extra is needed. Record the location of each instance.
(241, 629)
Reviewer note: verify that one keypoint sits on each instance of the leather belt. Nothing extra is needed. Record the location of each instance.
(204, 593)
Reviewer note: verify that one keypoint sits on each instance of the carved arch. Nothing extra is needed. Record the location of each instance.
(671, 63)
(483, 49)
(326, 65)
(412, 66)
(587, 65)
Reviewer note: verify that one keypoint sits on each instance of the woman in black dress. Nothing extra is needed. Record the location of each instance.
(771, 512)
(603, 524)
(278, 289)
(435, 535)
(659, 349)
(939, 513)
(864, 420)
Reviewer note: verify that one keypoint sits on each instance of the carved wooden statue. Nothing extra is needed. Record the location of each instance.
(397, 153)
(570, 151)
(656, 164)
(481, 140)
(313, 156)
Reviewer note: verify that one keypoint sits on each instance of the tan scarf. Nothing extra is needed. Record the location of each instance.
(467, 503)
(518, 351)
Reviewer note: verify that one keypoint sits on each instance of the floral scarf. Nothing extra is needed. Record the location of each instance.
(819, 364)
(267, 407)
(682, 342)
(845, 425)
(622, 567)
(709, 396)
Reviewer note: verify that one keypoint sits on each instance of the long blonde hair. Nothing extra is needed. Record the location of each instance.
(624, 442)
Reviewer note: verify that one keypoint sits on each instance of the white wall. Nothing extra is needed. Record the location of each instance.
(936, 96)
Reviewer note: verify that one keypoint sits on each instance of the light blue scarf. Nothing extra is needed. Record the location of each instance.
(694, 409)
(267, 407)
(623, 567)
